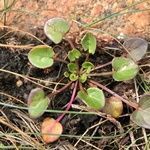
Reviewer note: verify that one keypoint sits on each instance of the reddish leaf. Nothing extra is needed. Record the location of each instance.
(51, 130)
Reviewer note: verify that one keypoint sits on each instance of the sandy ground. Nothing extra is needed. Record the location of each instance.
(29, 14)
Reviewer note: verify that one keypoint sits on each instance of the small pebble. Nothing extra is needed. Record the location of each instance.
(19, 83)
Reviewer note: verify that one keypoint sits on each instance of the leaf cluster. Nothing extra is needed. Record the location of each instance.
(123, 68)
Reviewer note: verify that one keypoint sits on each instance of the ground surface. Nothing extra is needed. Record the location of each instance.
(27, 15)
(16, 128)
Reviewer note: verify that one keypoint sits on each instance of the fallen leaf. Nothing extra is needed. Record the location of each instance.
(51, 130)
(113, 107)
(141, 116)
(137, 47)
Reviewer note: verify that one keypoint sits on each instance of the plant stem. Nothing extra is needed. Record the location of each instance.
(5, 12)
(60, 90)
(80, 86)
(134, 105)
(87, 57)
(61, 60)
(68, 106)
(70, 102)
(70, 42)
(100, 74)
(25, 78)
(101, 66)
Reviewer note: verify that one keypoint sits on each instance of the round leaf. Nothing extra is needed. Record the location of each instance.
(124, 69)
(141, 116)
(37, 103)
(89, 43)
(41, 56)
(93, 98)
(72, 67)
(137, 47)
(66, 74)
(73, 77)
(87, 66)
(74, 54)
(49, 128)
(55, 29)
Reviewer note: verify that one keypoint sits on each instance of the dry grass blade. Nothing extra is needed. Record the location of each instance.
(98, 124)
(12, 97)
(23, 32)
(17, 46)
(103, 115)
(137, 99)
(26, 78)
(24, 137)
(28, 123)
(93, 146)
(46, 81)
(11, 139)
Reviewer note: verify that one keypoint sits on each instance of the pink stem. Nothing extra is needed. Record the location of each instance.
(70, 102)
(134, 105)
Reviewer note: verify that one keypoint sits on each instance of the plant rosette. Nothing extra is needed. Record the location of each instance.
(42, 56)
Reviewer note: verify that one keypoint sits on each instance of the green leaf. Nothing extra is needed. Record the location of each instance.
(2, 145)
(41, 56)
(93, 98)
(83, 77)
(66, 74)
(72, 67)
(73, 77)
(88, 66)
(37, 103)
(141, 116)
(55, 29)
(89, 43)
(137, 47)
(124, 68)
(74, 54)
